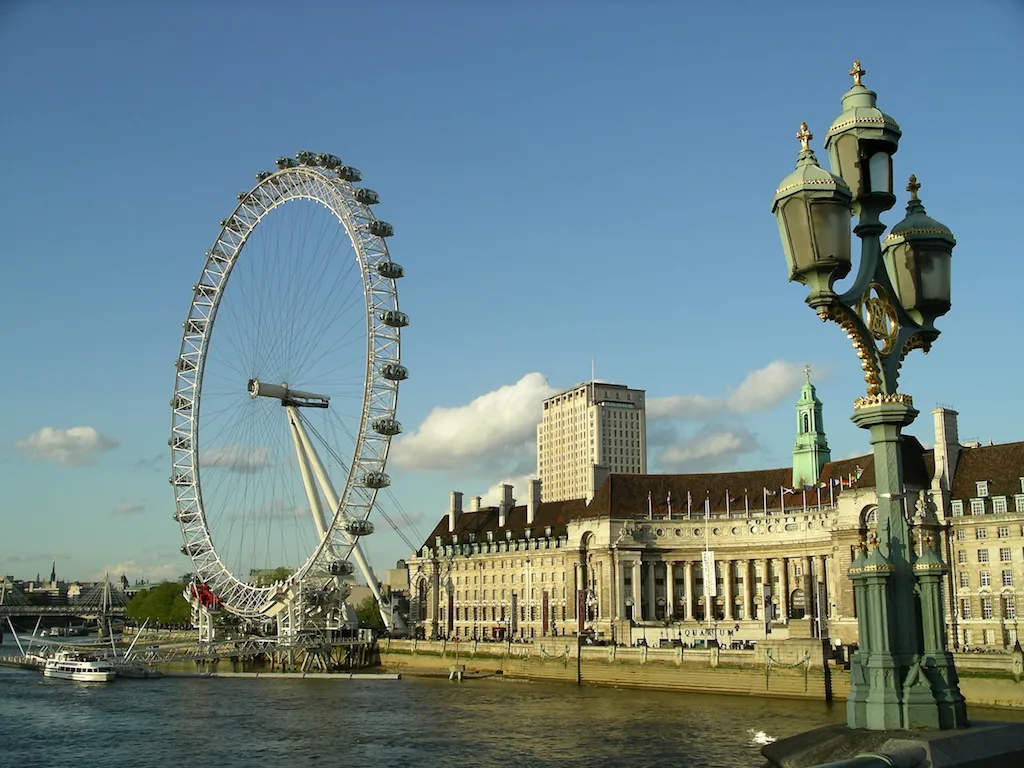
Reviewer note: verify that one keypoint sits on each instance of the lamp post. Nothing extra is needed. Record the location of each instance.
(902, 677)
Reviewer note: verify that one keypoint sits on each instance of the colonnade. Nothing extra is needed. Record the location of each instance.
(641, 597)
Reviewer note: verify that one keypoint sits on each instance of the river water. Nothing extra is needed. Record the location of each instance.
(249, 723)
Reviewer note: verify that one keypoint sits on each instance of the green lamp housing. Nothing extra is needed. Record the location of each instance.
(861, 143)
(812, 207)
(918, 255)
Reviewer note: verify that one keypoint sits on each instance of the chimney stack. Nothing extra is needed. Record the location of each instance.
(506, 504)
(454, 510)
(947, 447)
(474, 503)
(533, 501)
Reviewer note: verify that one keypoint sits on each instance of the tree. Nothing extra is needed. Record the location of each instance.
(163, 603)
(369, 614)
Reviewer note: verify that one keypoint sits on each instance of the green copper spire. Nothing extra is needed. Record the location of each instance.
(811, 452)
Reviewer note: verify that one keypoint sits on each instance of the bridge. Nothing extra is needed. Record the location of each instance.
(102, 601)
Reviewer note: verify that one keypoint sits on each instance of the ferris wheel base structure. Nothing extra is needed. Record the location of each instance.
(256, 470)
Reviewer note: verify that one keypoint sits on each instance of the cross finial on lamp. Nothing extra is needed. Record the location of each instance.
(913, 186)
(805, 136)
(807, 373)
(857, 72)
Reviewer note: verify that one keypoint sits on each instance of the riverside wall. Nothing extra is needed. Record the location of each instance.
(792, 669)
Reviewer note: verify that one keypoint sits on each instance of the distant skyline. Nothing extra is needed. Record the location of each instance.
(568, 182)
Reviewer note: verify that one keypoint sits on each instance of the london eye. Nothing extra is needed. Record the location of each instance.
(285, 391)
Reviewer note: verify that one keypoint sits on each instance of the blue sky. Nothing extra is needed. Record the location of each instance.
(569, 182)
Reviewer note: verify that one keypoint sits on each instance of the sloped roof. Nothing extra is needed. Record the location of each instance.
(555, 514)
(1002, 465)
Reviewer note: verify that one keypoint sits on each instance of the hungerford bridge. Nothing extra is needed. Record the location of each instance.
(102, 601)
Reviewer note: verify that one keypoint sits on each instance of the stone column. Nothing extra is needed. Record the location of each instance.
(636, 590)
(823, 573)
(670, 588)
(727, 579)
(784, 589)
(747, 592)
(620, 588)
(651, 594)
(809, 596)
(688, 587)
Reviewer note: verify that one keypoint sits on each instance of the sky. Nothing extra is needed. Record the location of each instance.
(575, 186)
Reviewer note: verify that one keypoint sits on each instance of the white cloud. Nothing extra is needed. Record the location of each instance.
(520, 491)
(236, 457)
(501, 423)
(710, 448)
(73, 447)
(760, 390)
(125, 508)
(148, 571)
(767, 387)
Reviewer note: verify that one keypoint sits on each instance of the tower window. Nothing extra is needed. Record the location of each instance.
(807, 422)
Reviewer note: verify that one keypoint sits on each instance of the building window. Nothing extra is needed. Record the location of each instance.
(965, 580)
(961, 557)
(981, 533)
(1009, 608)
(982, 486)
(977, 506)
(961, 534)
(958, 508)
(1003, 532)
(1019, 504)
(1004, 555)
(986, 579)
(965, 608)
(999, 505)
(986, 607)
(1007, 578)
(982, 555)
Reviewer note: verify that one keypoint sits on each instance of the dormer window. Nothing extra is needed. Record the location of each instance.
(958, 508)
(472, 537)
(1022, 485)
(547, 531)
(508, 535)
(490, 535)
(982, 487)
(527, 533)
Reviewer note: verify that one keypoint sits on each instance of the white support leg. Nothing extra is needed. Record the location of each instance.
(312, 494)
(332, 498)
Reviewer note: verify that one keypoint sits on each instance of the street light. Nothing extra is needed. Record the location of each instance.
(902, 677)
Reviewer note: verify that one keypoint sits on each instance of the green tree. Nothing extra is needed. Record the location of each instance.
(369, 614)
(163, 603)
(266, 577)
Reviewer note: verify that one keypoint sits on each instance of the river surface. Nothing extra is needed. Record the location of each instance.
(249, 723)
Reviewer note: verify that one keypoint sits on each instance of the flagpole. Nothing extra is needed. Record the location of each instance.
(782, 499)
(689, 512)
(728, 509)
(766, 502)
(707, 583)
(831, 492)
(650, 509)
(803, 493)
(746, 503)
(819, 497)
(670, 505)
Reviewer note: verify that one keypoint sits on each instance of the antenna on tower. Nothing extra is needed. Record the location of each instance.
(591, 370)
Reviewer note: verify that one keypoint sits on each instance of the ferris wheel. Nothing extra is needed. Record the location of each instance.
(285, 390)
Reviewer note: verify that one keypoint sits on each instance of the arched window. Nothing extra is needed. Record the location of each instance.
(807, 422)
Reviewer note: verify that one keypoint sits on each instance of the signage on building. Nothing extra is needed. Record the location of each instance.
(707, 564)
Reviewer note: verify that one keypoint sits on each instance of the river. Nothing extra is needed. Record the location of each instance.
(249, 723)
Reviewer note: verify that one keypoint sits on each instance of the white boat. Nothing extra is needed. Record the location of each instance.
(73, 665)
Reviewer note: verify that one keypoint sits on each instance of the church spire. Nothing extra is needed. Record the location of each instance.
(811, 452)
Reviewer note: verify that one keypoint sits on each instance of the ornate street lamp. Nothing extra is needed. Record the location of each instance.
(902, 676)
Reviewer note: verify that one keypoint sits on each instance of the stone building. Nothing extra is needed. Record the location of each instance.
(586, 433)
(733, 555)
